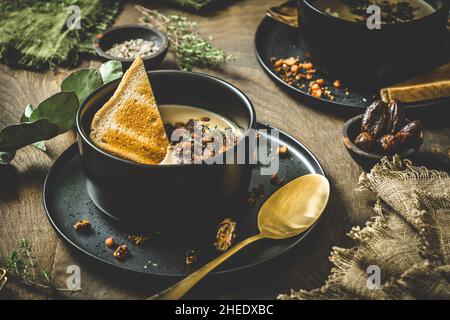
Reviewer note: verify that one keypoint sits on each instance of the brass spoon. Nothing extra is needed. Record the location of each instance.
(288, 212)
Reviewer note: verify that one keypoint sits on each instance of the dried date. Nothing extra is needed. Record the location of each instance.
(410, 134)
(364, 141)
(396, 117)
(374, 119)
(387, 143)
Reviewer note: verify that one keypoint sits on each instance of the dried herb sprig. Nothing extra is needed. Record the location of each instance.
(23, 266)
(189, 47)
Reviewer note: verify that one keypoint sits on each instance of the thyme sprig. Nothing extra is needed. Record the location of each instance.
(23, 266)
(189, 47)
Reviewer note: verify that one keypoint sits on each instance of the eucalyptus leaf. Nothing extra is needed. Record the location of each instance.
(111, 70)
(6, 156)
(82, 82)
(27, 113)
(40, 145)
(60, 110)
(20, 135)
(56, 114)
(26, 118)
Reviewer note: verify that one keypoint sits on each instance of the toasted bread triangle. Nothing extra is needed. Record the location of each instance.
(129, 124)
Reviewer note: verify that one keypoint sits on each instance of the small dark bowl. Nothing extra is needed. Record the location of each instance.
(169, 197)
(352, 128)
(119, 34)
(373, 58)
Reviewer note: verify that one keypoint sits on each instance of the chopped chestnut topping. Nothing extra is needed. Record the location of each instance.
(121, 252)
(226, 233)
(138, 240)
(191, 257)
(82, 225)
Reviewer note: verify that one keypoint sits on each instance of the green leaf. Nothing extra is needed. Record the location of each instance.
(6, 156)
(56, 114)
(60, 109)
(40, 145)
(26, 118)
(111, 70)
(27, 113)
(20, 135)
(82, 82)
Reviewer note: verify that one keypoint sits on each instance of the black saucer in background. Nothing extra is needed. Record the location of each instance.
(66, 202)
(276, 40)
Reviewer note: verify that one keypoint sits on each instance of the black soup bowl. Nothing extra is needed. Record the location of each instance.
(372, 58)
(174, 196)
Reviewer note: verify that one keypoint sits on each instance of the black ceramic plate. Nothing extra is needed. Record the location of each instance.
(274, 39)
(66, 202)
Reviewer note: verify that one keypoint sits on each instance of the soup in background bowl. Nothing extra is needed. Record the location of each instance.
(367, 57)
(392, 11)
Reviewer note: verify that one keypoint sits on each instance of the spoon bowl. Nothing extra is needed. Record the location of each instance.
(287, 213)
(294, 208)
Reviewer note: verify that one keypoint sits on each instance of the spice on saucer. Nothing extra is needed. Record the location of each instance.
(191, 257)
(132, 49)
(301, 75)
(276, 180)
(138, 240)
(109, 242)
(121, 252)
(256, 192)
(283, 151)
(82, 225)
(226, 233)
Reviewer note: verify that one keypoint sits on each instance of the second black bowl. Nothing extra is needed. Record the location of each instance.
(119, 34)
(187, 196)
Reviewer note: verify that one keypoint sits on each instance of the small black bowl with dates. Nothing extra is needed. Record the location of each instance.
(382, 130)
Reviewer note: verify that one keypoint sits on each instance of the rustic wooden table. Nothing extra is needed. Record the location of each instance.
(232, 28)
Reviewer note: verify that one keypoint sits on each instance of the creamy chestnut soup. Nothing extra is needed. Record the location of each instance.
(392, 11)
(196, 134)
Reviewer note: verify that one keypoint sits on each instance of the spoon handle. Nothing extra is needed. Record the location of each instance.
(178, 290)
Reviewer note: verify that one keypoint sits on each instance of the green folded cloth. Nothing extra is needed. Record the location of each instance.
(34, 35)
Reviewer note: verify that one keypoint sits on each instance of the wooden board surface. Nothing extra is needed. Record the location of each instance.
(232, 28)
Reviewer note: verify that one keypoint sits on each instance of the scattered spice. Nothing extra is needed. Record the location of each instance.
(283, 151)
(258, 191)
(226, 233)
(133, 48)
(121, 252)
(255, 193)
(138, 240)
(251, 201)
(301, 75)
(191, 257)
(275, 179)
(109, 242)
(82, 225)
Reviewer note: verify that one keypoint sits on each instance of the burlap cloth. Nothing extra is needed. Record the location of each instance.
(408, 239)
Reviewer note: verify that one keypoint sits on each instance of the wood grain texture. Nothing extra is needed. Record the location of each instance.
(233, 29)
